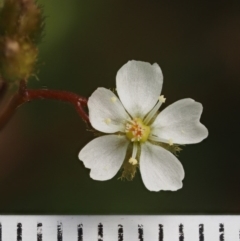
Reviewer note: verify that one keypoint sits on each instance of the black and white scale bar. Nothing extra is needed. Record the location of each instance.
(120, 228)
(39, 232)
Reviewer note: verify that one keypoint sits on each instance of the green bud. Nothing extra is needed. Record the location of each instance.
(9, 17)
(22, 18)
(21, 25)
(17, 59)
(30, 20)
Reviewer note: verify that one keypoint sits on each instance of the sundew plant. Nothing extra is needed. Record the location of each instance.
(133, 133)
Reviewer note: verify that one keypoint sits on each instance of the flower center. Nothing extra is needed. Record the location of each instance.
(137, 131)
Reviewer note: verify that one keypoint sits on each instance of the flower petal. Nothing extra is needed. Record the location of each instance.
(139, 85)
(106, 112)
(160, 169)
(104, 156)
(180, 123)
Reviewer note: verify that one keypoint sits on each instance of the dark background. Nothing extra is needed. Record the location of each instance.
(197, 45)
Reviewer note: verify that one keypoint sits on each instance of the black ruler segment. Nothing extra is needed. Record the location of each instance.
(201, 232)
(80, 232)
(0, 232)
(140, 233)
(59, 232)
(120, 232)
(221, 231)
(39, 232)
(19, 232)
(100, 232)
(160, 233)
(181, 233)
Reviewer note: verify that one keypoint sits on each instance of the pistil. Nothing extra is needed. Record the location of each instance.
(136, 131)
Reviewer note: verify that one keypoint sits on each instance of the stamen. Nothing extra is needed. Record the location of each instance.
(108, 121)
(157, 139)
(132, 121)
(133, 159)
(170, 142)
(154, 110)
(113, 99)
(162, 99)
(136, 130)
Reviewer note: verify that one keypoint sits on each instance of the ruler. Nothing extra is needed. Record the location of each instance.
(120, 228)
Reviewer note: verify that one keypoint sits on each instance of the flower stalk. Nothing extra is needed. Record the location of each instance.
(77, 101)
(25, 95)
(3, 90)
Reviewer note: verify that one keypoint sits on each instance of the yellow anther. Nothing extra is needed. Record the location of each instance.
(113, 99)
(133, 161)
(108, 121)
(162, 99)
(170, 142)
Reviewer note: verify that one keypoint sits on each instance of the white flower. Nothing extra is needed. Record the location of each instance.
(132, 120)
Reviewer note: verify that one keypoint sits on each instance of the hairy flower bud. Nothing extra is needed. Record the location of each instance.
(17, 59)
(21, 25)
(21, 18)
(9, 17)
(30, 20)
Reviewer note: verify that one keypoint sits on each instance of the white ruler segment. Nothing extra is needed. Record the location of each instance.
(120, 228)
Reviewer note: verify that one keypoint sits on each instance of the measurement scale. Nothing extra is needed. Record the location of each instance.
(120, 228)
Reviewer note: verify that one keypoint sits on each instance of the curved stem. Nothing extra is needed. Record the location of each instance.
(9, 110)
(66, 96)
(25, 95)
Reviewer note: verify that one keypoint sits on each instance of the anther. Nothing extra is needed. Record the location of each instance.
(133, 161)
(162, 99)
(108, 121)
(113, 99)
(170, 142)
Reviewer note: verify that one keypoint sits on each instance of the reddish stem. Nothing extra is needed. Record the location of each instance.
(3, 89)
(16, 100)
(66, 96)
(24, 95)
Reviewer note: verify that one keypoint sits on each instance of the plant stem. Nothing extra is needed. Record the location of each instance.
(76, 100)
(25, 95)
(16, 100)
(3, 90)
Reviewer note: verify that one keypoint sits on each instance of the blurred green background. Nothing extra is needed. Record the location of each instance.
(197, 45)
